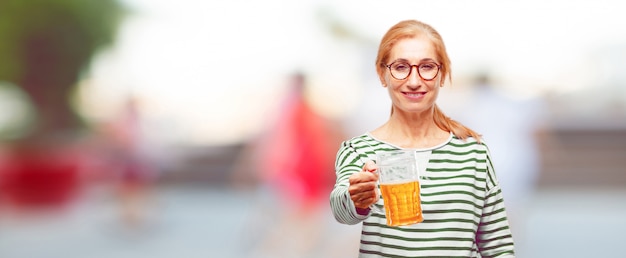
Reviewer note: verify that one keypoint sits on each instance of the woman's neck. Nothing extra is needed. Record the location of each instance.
(411, 130)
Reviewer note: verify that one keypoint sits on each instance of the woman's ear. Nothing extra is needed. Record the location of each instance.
(441, 82)
(383, 82)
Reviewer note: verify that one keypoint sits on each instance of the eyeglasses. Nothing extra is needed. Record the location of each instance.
(401, 70)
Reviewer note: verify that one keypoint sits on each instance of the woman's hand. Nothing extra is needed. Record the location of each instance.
(362, 188)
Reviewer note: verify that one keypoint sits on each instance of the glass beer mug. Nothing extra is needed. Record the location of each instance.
(399, 186)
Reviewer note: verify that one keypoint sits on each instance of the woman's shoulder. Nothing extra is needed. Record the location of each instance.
(362, 145)
(463, 149)
(468, 142)
(364, 139)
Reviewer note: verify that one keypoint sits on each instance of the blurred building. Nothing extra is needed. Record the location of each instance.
(586, 142)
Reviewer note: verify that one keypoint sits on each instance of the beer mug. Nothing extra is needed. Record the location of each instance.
(399, 186)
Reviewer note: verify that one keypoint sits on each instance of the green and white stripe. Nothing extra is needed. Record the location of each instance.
(464, 214)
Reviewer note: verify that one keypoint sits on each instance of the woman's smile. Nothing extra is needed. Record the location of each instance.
(414, 95)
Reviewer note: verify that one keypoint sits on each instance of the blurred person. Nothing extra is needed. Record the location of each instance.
(296, 151)
(289, 160)
(136, 172)
(462, 202)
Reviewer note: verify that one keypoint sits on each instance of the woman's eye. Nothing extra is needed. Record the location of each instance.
(427, 67)
(401, 67)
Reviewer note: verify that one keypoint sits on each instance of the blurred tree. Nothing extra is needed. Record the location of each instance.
(45, 46)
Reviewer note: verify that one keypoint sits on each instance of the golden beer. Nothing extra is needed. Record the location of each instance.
(402, 202)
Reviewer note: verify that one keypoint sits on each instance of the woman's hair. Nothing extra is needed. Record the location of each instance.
(412, 29)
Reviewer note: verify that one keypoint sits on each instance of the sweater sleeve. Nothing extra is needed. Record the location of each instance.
(348, 161)
(494, 237)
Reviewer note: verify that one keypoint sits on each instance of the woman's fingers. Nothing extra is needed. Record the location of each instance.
(364, 196)
(362, 187)
(364, 200)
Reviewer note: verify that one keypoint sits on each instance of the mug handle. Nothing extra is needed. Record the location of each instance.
(374, 208)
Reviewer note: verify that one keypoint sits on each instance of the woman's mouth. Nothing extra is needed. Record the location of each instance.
(414, 95)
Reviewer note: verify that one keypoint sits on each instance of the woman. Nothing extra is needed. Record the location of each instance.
(463, 210)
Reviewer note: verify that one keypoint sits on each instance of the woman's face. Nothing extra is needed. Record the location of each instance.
(412, 94)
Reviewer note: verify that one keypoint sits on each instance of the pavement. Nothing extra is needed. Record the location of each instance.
(200, 222)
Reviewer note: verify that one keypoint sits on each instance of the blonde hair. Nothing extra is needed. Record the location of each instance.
(411, 29)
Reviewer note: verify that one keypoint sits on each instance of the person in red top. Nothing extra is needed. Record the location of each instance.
(292, 160)
(296, 153)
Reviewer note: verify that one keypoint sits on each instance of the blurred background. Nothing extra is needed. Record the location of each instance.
(151, 128)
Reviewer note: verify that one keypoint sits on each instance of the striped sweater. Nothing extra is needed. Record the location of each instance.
(464, 214)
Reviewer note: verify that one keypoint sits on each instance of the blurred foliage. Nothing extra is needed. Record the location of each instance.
(80, 26)
(45, 46)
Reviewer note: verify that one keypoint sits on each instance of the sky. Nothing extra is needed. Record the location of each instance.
(214, 72)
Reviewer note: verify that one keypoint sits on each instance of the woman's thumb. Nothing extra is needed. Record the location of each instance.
(370, 166)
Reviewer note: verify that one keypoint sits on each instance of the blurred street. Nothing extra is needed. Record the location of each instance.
(184, 223)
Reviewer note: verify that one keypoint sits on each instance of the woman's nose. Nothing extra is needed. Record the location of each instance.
(414, 77)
